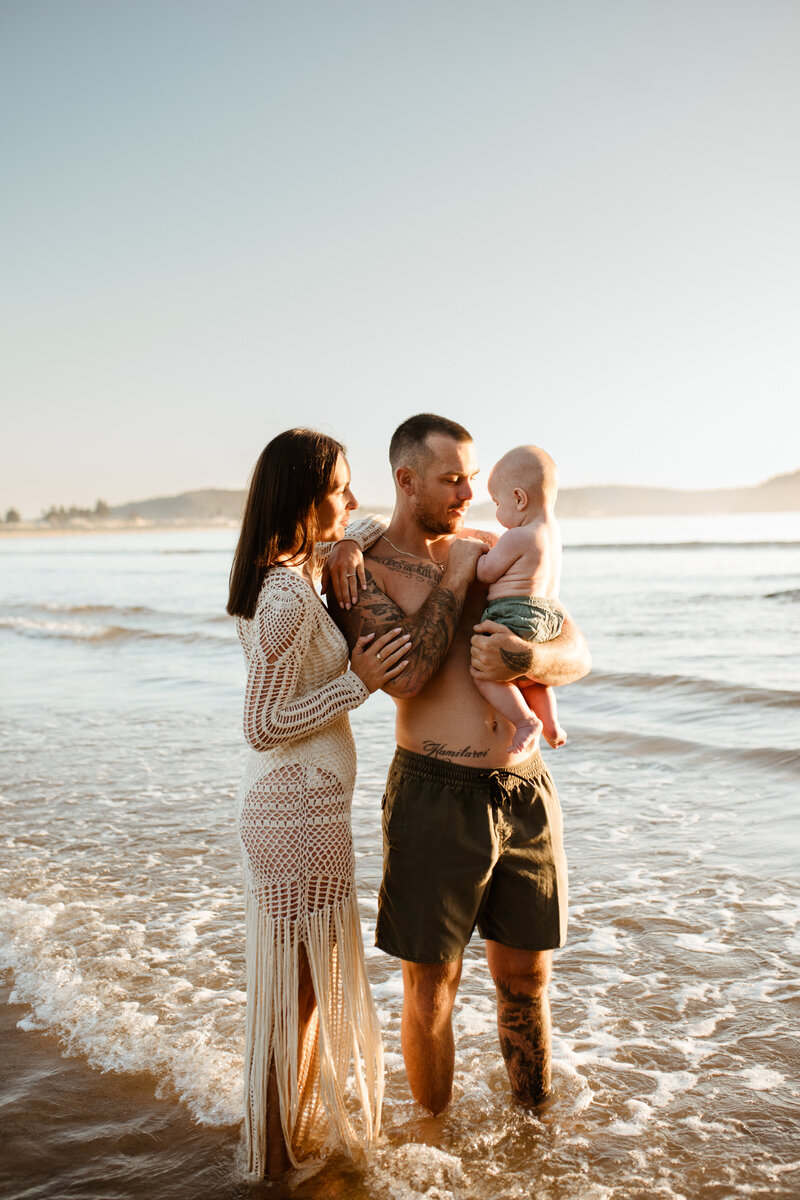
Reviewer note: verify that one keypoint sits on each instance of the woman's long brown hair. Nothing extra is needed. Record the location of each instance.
(293, 475)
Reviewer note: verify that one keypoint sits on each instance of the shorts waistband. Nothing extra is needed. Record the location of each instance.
(535, 602)
(439, 770)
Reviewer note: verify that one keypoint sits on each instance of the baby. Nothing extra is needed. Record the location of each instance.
(523, 571)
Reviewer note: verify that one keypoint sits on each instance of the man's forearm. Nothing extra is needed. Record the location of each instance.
(499, 654)
(563, 660)
(431, 627)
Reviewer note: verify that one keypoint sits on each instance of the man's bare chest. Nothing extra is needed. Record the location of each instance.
(406, 582)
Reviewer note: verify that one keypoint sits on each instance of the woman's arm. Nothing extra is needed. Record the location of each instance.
(282, 632)
(365, 532)
(343, 561)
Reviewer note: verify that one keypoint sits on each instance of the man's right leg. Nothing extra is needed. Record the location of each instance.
(429, 992)
(522, 979)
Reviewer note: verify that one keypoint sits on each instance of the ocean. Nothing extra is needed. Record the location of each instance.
(676, 1001)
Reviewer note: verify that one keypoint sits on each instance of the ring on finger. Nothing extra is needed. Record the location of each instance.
(379, 656)
(351, 574)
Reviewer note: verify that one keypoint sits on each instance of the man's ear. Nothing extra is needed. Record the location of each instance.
(405, 480)
(520, 499)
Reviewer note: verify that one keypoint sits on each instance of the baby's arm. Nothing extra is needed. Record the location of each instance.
(509, 549)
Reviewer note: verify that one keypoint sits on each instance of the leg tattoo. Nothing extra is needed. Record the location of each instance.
(523, 1022)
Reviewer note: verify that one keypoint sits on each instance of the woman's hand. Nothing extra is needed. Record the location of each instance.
(377, 660)
(345, 570)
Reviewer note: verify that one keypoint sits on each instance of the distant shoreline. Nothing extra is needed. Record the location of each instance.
(218, 508)
(482, 515)
(36, 530)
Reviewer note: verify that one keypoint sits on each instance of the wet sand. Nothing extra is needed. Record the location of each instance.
(70, 1131)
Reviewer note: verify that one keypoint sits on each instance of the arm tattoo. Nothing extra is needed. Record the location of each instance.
(431, 628)
(432, 633)
(520, 661)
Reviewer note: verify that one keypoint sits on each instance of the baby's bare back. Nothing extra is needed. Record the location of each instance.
(526, 561)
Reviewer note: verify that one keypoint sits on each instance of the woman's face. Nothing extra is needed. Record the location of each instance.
(334, 511)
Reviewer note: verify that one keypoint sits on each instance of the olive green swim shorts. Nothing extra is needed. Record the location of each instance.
(466, 846)
(534, 618)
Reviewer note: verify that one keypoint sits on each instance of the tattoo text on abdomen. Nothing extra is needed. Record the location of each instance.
(441, 750)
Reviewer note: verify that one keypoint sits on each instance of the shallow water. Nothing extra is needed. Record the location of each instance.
(675, 1001)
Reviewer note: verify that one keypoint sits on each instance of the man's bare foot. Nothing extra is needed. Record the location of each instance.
(555, 737)
(526, 735)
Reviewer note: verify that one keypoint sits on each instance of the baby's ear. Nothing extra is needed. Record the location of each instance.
(520, 498)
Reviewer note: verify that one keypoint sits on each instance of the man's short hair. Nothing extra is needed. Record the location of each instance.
(408, 445)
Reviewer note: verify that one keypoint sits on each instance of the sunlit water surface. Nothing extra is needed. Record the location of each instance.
(675, 1002)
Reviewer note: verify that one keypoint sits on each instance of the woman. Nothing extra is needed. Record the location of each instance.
(309, 1008)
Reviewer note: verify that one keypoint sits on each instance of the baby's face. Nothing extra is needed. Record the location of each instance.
(502, 492)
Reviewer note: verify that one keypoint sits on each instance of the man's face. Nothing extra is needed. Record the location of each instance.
(444, 488)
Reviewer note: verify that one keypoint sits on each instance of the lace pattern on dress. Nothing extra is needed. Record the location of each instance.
(294, 827)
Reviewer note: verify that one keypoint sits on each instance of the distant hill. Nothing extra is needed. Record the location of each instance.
(779, 494)
(210, 504)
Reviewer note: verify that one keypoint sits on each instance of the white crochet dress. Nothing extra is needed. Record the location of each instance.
(293, 816)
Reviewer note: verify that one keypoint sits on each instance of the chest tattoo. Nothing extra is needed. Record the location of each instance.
(412, 570)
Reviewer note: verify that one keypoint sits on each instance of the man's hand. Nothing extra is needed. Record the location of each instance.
(344, 571)
(464, 555)
(499, 654)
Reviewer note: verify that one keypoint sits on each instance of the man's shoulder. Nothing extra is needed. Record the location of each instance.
(482, 535)
(375, 562)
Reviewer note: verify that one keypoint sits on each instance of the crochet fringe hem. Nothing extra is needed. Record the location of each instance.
(344, 1032)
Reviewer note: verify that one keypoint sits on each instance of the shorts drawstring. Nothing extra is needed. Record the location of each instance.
(497, 788)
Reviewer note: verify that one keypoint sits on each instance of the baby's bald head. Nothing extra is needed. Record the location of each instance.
(529, 468)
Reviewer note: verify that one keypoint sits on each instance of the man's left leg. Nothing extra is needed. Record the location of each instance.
(521, 979)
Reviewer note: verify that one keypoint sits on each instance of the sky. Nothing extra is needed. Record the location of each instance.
(573, 224)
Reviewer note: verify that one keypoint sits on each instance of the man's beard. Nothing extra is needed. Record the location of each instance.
(435, 522)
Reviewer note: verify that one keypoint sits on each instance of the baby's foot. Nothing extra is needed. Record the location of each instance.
(526, 735)
(555, 737)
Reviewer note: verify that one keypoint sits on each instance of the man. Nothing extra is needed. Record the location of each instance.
(472, 834)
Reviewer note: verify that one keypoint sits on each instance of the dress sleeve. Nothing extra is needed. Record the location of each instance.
(365, 532)
(282, 629)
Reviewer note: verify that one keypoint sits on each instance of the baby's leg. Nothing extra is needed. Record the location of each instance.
(542, 701)
(510, 703)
